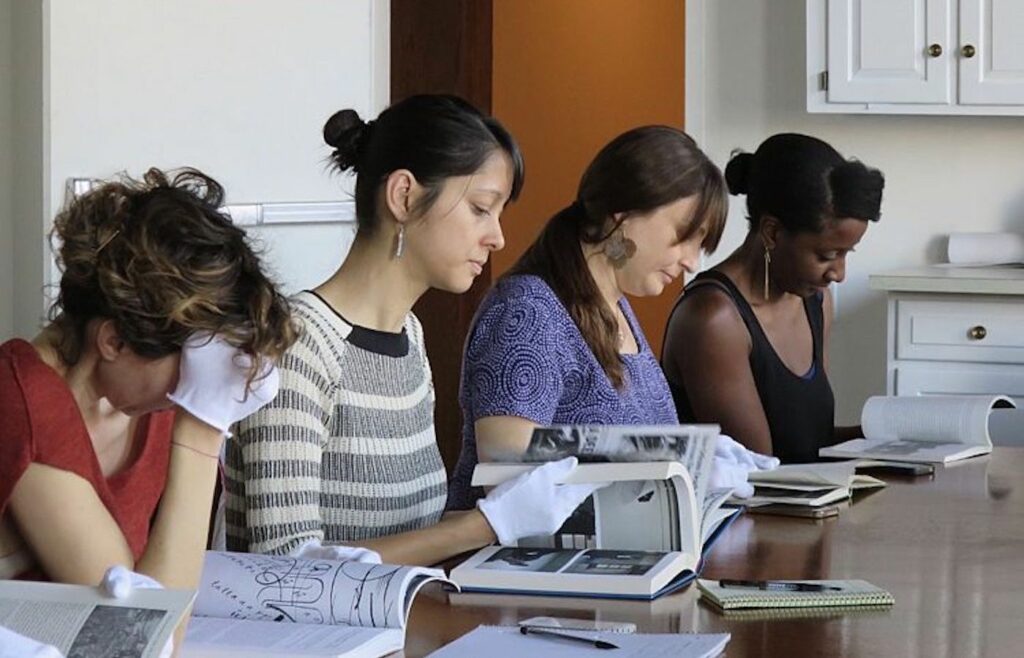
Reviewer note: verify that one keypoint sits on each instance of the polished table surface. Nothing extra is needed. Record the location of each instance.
(950, 548)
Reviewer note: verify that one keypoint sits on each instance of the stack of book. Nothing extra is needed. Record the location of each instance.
(807, 485)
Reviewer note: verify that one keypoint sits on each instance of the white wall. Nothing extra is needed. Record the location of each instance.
(943, 174)
(237, 88)
(6, 163)
(29, 260)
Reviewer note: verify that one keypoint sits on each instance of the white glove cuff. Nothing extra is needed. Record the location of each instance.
(493, 518)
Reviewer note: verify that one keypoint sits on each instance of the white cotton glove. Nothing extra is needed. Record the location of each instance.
(314, 550)
(732, 464)
(534, 503)
(727, 474)
(16, 645)
(212, 382)
(119, 582)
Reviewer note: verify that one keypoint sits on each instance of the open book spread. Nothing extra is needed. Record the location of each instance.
(835, 593)
(509, 642)
(808, 484)
(658, 514)
(80, 621)
(931, 429)
(261, 605)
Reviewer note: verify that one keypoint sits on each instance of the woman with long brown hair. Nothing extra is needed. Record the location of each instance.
(555, 341)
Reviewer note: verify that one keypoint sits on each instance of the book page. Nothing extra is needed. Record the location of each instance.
(505, 642)
(638, 514)
(693, 445)
(935, 419)
(81, 622)
(281, 588)
(262, 637)
(822, 474)
(712, 513)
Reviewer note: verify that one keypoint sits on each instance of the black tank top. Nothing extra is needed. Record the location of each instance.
(800, 409)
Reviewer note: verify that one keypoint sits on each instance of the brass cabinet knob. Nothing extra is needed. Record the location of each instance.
(935, 50)
(968, 51)
(977, 333)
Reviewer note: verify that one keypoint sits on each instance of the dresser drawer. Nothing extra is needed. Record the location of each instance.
(964, 330)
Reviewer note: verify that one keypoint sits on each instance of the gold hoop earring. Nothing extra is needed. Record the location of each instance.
(400, 241)
(618, 248)
(767, 263)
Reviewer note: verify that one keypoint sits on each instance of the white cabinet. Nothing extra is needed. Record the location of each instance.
(956, 332)
(915, 56)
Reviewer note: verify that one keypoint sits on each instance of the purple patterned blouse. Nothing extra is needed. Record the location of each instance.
(526, 357)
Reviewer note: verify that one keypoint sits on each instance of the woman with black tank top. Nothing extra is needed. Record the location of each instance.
(747, 344)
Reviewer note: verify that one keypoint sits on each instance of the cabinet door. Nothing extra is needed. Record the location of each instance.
(880, 51)
(991, 52)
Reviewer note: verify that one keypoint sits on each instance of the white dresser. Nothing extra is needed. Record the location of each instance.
(955, 331)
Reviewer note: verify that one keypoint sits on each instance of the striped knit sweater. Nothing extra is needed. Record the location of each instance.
(346, 451)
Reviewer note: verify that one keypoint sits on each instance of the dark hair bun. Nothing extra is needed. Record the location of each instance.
(348, 134)
(737, 173)
(856, 190)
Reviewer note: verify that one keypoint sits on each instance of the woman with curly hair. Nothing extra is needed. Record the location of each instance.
(165, 332)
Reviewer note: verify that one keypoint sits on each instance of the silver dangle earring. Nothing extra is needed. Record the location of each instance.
(767, 263)
(400, 241)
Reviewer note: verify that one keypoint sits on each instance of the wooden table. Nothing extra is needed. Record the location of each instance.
(949, 548)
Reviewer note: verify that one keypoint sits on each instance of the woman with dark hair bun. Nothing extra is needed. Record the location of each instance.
(556, 342)
(165, 332)
(747, 344)
(346, 455)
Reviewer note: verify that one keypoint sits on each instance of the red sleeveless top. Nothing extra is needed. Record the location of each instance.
(40, 422)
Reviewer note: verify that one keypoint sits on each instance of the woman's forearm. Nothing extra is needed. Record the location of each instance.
(177, 543)
(427, 546)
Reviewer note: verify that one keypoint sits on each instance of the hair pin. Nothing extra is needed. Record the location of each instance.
(107, 241)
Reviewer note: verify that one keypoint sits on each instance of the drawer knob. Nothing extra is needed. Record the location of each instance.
(977, 333)
(968, 51)
(935, 50)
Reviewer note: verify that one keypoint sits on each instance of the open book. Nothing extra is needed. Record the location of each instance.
(808, 484)
(80, 621)
(931, 429)
(262, 605)
(641, 536)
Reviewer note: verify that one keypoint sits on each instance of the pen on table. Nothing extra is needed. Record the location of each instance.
(777, 585)
(554, 632)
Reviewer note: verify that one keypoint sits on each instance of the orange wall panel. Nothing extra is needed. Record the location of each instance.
(568, 76)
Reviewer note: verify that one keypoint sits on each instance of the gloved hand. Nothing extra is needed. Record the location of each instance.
(727, 448)
(726, 474)
(118, 582)
(534, 503)
(314, 550)
(212, 382)
(733, 463)
(16, 645)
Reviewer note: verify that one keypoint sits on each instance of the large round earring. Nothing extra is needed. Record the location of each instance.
(400, 241)
(618, 248)
(767, 263)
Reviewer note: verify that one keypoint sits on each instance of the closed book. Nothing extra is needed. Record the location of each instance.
(849, 593)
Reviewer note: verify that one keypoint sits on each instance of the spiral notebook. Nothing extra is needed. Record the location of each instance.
(850, 593)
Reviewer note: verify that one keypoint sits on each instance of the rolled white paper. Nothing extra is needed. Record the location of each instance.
(986, 248)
